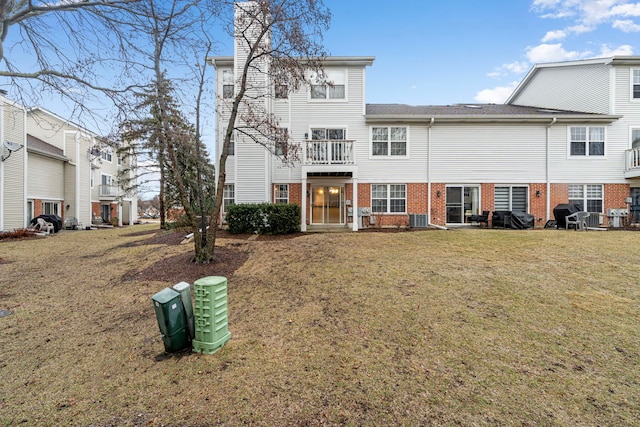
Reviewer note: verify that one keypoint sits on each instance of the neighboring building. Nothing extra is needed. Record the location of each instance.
(13, 164)
(569, 133)
(65, 170)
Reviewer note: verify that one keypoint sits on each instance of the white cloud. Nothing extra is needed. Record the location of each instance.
(552, 53)
(626, 10)
(516, 67)
(497, 95)
(554, 35)
(623, 50)
(626, 26)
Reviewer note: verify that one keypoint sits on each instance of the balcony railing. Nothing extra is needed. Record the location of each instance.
(109, 190)
(633, 159)
(329, 152)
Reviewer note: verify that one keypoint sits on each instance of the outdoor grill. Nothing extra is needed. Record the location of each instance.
(563, 210)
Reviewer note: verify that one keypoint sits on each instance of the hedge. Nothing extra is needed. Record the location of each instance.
(264, 218)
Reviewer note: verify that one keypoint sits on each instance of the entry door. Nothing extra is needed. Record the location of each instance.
(461, 203)
(106, 212)
(327, 205)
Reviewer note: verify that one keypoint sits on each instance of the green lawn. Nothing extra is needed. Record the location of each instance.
(465, 327)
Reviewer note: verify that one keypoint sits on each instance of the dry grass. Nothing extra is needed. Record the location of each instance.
(469, 327)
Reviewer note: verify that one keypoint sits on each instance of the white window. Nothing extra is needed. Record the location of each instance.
(635, 84)
(227, 84)
(281, 142)
(228, 196)
(50, 208)
(511, 198)
(333, 86)
(106, 155)
(635, 138)
(587, 141)
(232, 143)
(281, 194)
(389, 141)
(389, 198)
(587, 197)
(281, 91)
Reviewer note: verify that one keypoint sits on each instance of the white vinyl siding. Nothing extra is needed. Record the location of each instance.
(579, 88)
(46, 178)
(389, 198)
(511, 198)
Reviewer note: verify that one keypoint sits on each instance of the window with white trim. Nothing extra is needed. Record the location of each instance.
(228, 196)
(281, 141)
(228, 84)
(389, 198)
(323, 134)
(333, 86)
(511, 198)
(281, 194)
(635, 137)
(50, 208)
(635, 83)
(106, 155)
(388, 141)
(281, 91)
(586, 141)
(587, 197)
(232, 143)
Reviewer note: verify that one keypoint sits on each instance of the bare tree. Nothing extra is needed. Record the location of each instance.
(280, 42)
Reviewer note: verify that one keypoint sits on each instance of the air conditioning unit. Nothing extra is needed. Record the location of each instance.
(595, 219)
(418, 220)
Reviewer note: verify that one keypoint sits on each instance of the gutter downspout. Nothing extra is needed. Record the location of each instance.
(547, 169)
(429, 126)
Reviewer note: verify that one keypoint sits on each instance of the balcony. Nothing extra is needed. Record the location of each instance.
(632, 163)
(329, 152)
(109, 190)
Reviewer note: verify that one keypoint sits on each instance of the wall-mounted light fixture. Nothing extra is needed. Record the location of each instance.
(438, 193)
(538, 193)
(67, 207)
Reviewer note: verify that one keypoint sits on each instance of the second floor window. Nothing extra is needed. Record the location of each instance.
(106, 155)
(281, 141)
(332, 87)
(227, 84)
(587, 141)
(635, 84)
(389, 141)
(281, 91)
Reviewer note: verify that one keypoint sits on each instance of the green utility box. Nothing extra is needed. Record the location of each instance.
(171, 320)
(211, 315)
(185, 295)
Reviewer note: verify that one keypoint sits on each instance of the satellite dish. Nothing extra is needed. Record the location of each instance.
(12, 146)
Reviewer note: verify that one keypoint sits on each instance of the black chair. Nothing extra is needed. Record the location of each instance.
(480, 219)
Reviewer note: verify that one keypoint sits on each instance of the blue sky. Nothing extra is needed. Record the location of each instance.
(446, 52)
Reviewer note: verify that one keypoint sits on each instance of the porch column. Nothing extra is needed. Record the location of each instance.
(303, 225)
(354, 205)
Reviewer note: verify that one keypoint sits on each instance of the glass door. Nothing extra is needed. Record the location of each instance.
(327, 205)
(461, 203)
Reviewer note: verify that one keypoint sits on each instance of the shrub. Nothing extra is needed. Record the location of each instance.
(264, 218)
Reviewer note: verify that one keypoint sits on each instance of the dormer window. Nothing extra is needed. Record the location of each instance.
(333, 86)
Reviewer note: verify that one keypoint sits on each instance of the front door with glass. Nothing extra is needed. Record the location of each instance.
(327, 205)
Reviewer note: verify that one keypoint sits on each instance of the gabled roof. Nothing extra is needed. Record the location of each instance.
(38, 146)
(476, 113)
(612, 60)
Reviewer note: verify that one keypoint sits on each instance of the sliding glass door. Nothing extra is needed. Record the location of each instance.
(461, 203)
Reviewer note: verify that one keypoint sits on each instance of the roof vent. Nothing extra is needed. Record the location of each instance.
(477, 107)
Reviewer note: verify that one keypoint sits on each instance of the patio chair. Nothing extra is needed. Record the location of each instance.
(484, 218)
(578, 220)
(45, 226)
